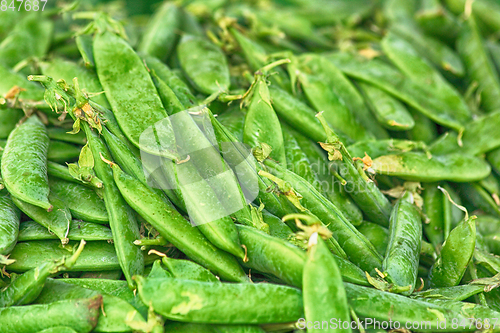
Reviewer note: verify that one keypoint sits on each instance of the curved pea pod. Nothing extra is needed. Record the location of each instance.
(118, 312)
(204, 64)
(8, 120)
(418, 167)
(9, 223)
(27, 286)
(122, 222)
(376, 234)
(179, 87)
(437, 212)
(480, 67)
(261, 122)
(406, 58)
(323, 290)
(435, 20)
(357, 248)
(421, 98)
(455, 255)
(11, 79)
(161, 33)
(79, 230)
(173, 227)
(188, 270)
(57, 221)
(30, 37)
(61, 134)
(98, 255)
(81, 315)
(403, 249)
(390, 112)
(24, 163)
(83, 202)
(379, 148)
(325, 88)
(121, 86)
(67, 70)
(203, 303)
(402, 309)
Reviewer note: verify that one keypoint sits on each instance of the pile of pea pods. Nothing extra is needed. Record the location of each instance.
(225, 166)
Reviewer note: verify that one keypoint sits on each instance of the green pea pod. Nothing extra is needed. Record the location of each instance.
(403, 249)
(415, 166)
(425, 129)
(62, 172)
(160, 35)
(261, 122)
(436, 21)
(494, 158)
(118, 312)
(477, 197)
(255, 308)
(188, 270)
(330, 185)
(480, 67)
(455, 255)
(328, 90)
(30, 37)
(61, 152)
(324, 294)
(26, 287)
(8, 120)
(9, 223)
(390, 112)
(408, 61)
(112, 275)
(181, 90)
(24, 163)
(402, 309)
(61, 134)
(234, 120)
(436, 206)
(83, 202)
(121, 219)
(79, 230)
(98, 255)
(379, 148)
(11, 79)
(58, 329)
(376, 234)
(357, 248)
(121, 86)
(237, 329)
(67, 70)
(363, 191)
(175, 228)
(421, 98)
(456, 293)
(57, 221)
(81, 315)
(84, 45)
(204, 64)
(488, 12)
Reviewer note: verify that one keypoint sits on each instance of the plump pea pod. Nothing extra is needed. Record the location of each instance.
(61, 134)
(161, 33)
(436, 21)
(30, 37)
(361, 189)
(234, 120)
(390, 112)
(324, 294)
(67, 70)
(8, 120)
(81, 315)
(455, 255)
(98, 256)
(456, 293)
(381, 75)
(376, 234)
(436, 207)
(9, 223)
(82, 201)
(204, 64)
(188, 270)
(379, 148)
(179, 87)
(403, 249)
(402, 309)
(27, 286)
(171, 225)
(203, 305)
(327, 89)
(121, 86)
(488, 12)
(357, 248)
(415, 166)
(121, 219)
(118, 312)
(480, 67)
(11, 79)
(277, 228)
(261, 122)
(24, 163)
(31, 231)
(425, 129)
(57, 221)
